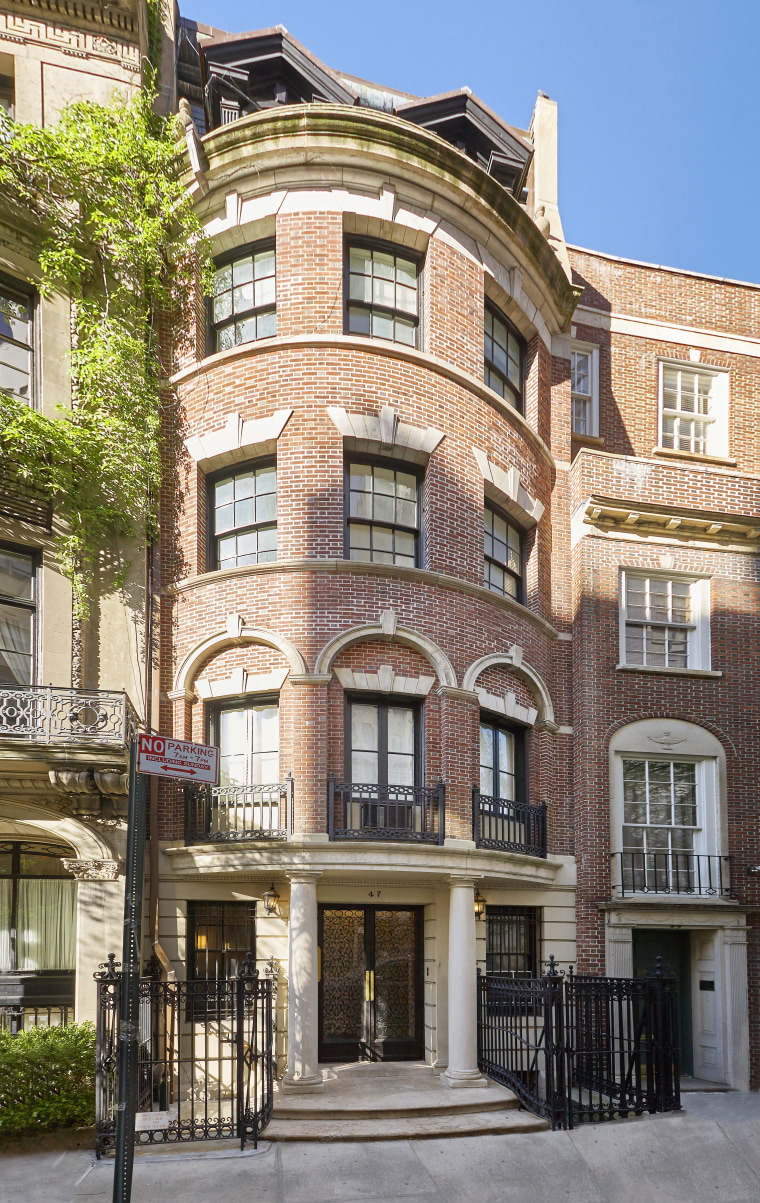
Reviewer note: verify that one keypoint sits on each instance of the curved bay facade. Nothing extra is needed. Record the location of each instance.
(365, 616)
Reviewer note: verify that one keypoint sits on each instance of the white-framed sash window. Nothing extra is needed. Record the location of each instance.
(584, 389)
(693, 409)
(664, 620)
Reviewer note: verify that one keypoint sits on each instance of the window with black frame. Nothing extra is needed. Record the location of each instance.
(383, 765)
(502, 555)
(243, 303)
(38, 902)
(382, 293)
(243, 511)
(15, 343)
(383, 504)
(18, 601)
(219, 937)
(502, 760)
(504, 357)
(512, 941)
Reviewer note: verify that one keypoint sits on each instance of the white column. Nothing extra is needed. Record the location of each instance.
(463, 1037)
(100, 929)
(303, 1075)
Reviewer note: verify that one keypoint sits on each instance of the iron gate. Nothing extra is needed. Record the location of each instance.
(205, 1058)
(579, 1049)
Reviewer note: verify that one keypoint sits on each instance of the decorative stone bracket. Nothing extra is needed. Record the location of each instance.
(92, 870)
(98, 794)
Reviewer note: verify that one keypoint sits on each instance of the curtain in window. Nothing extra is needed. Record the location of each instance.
(46, 924)
(6, 893)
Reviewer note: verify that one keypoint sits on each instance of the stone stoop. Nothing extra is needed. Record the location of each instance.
(395, 1102)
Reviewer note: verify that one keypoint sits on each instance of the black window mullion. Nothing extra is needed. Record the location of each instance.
(382, 743)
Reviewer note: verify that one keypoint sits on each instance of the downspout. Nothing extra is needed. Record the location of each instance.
(166, 966)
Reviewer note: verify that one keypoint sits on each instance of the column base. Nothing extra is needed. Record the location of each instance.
(311, 1085)
(459, 1079)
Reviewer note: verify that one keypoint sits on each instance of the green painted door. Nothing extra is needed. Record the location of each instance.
(675, 949)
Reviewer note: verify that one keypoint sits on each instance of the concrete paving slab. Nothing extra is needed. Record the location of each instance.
(730, 1106)
(666, 1159)
(540, 1168)
(53, 1173)
(745, 1138)
(337, 1173)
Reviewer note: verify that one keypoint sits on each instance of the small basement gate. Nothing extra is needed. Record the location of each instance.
(580, 1049)
(205, 1058)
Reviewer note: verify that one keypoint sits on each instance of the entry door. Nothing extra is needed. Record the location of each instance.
(708, 1035)
(370, 987)
(675, 949)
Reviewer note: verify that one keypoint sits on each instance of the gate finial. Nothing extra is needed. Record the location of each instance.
(248, 968)
(109, 968)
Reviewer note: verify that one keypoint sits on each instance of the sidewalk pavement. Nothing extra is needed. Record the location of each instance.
(709, 1153)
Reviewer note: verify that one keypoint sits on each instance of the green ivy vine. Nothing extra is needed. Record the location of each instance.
(119, 236)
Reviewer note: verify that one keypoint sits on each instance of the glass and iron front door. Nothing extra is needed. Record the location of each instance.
(370, 988)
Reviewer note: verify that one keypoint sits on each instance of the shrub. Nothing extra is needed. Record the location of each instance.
(47, 1078)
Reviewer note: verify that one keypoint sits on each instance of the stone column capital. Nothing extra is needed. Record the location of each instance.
(458, 695)
(92, 870)
(310, 678)
(464, 879)
(304, 876)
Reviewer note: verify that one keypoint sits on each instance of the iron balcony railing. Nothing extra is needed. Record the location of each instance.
(413, 813)
(46, 715)
(692, 873)
(17, 1019)
(508, 826)
(226, 813)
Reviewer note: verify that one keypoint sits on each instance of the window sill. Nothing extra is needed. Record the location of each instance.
(693, 457)
(586, 440)
(668, 672)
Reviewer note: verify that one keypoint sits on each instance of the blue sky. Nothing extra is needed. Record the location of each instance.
(659, 103)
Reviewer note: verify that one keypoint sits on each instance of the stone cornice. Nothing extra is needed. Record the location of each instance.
(371, 346)
(352, 136)
(354, 567)
(671, 521)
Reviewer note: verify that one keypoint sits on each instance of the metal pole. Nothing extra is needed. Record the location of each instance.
(130, 986)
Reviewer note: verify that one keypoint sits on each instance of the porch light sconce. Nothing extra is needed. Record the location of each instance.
(271, 900)
(480, 904)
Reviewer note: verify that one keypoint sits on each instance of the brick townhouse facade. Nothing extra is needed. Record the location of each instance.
(458, 568)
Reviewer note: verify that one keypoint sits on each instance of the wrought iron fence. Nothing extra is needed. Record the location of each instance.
(386, 812)
(205, 1059)
(508, 826)
(42, 714)
(17, 1019)
(671, 873)
(581, 1049)
(226, 813)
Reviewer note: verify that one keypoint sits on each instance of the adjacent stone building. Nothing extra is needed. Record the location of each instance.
(458, 568)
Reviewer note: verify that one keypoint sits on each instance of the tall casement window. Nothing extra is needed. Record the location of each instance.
(502, 761)
(512, 940)
(504, 357)
(502, 555)
(382, 293)
(18, 588)
(383, 514)
(219, 935)
(661, 823)
(693, 409)
(248, 737)
(382, 745)
(38, 900)
(665, 621)
(15, 343)
(243, 507)
(584, 390)
(243, 304)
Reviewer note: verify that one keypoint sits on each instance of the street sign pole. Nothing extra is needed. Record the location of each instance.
(129, 1013)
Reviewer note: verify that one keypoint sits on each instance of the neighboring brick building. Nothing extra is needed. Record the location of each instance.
(466, 627)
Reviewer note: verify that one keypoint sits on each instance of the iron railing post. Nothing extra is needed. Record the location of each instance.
(441, 795)
(476, 815)
(289, 805)
(331, 808)
(240, 1055)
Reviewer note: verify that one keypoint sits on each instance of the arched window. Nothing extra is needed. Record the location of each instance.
(667, 835)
